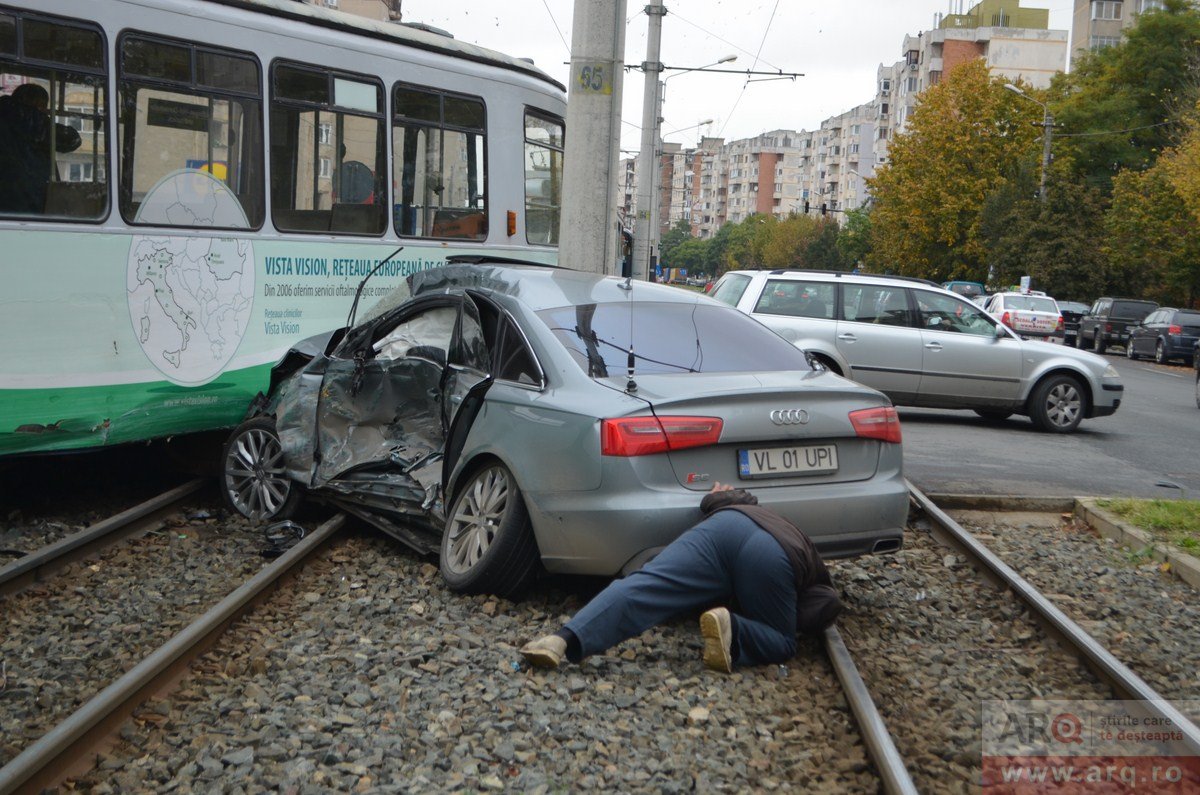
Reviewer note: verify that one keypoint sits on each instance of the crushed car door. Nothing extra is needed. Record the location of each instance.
(380, 419)
(470, 361)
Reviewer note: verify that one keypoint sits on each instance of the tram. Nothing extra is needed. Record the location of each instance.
(188, 187)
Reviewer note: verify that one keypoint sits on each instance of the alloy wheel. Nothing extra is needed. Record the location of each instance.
(1160, 355)
(255, 480)
(476, 520)
(1064, 404)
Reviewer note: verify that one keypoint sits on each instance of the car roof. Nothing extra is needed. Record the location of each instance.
(857, 278)
(540, 286)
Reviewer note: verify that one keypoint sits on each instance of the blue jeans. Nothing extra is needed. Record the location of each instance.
(726, 558)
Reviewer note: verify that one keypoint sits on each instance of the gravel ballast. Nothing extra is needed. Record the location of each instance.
(934, 640)
(1143, 615)
(65, 639)
(365, 672)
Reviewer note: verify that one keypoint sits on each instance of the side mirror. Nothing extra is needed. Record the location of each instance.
(1000, 332)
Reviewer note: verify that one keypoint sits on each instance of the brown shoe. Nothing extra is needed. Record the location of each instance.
(545, 652)
(717, 629)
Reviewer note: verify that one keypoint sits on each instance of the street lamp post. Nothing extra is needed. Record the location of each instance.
(1047, 126)
(646, 228)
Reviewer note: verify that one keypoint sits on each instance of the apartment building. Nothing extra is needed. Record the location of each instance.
(1102, 23)
(1015, 43)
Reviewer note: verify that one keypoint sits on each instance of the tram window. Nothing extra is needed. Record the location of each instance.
(327, 152)
(543, 177)
(53, 110)
(190, 136)
(438, 165)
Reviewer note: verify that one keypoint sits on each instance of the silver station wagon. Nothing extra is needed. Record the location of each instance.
(925, 346)
(504, 415)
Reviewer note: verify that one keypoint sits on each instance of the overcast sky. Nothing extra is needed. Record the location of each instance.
(836, 44)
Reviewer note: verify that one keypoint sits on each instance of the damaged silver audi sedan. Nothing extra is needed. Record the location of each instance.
(508, 415)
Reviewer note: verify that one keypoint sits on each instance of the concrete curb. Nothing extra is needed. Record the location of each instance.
(1002, 503)
(1182, 565)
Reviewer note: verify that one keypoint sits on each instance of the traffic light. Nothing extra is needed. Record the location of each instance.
(824, 208)
(806, 206)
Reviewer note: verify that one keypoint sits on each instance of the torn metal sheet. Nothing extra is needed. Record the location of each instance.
(381, 410)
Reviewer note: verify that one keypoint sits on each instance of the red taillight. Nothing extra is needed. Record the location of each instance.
(1059, 326)
(1006, 320)
(1174, 329)
(1108, 326)
(633, 436)
(881, 423)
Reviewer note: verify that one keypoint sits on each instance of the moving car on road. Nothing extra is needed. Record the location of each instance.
(922, 345)
(506, 413)
(1108, 321)
(1165, 334)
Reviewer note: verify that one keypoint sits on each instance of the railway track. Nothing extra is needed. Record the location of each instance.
(59, 751)
(50, 758)
(39, 564)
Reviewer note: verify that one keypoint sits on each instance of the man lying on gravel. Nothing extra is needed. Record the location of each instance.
(739, 552)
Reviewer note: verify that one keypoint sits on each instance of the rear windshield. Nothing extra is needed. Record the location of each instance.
(1132, 309)
(1188, 318)
(668, 338)
(729, 290)
(1031, 303)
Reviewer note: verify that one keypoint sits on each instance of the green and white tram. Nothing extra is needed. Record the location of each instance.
(187, 187)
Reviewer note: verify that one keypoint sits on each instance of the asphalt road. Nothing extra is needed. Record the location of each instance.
(1153, 439)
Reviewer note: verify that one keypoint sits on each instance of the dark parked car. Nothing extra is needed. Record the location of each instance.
(1108, 321)
(510, 414)
(1165, 334)
(1196, 364)
(1072, 312)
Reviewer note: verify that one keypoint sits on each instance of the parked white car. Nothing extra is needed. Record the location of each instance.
(1028, 314)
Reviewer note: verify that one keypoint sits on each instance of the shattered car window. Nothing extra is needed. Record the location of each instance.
(429, 331)
(668, 338)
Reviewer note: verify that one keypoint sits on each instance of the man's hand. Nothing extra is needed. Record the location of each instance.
(718, 487)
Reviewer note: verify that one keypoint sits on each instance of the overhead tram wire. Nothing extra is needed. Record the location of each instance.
(561, 37)
(743, 50)
(757, 58)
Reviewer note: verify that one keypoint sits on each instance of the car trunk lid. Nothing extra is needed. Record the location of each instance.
(780, 428)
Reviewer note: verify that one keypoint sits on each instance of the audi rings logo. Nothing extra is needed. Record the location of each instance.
(789, 417)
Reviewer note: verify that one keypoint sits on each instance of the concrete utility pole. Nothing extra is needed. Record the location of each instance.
(588, 229)
(644, 231)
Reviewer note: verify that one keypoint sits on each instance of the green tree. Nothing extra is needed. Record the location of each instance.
(1152, 247)
(854, 238)
(822, 251)
(965, 134)
(680, 232)
(1056, 242)
(1141, 86)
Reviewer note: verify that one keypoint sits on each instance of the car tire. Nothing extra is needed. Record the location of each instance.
(1098, 345)
(1198, 389)
(1129, 352)
(488, 544)
(1058, 404)
(254, 482)
(1160, 353)
(994, 415)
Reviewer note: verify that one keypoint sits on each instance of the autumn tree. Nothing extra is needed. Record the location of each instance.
(964, 137)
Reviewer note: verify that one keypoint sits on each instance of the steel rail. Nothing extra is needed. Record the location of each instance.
(890, 766)
(1124, 682)
(139, 519)
(51, 757)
